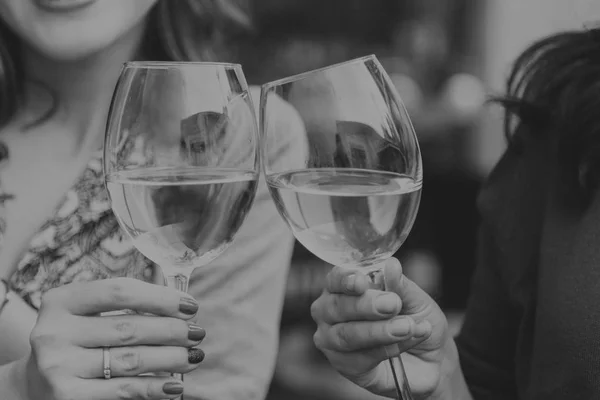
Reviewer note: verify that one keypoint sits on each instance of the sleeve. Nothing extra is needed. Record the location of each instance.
(241, 293)
(511, 208)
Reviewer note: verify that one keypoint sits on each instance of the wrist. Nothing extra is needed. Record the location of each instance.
(452, 383)
(13, 380)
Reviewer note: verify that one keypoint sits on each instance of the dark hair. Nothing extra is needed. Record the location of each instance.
(178, 30)
(554, 93)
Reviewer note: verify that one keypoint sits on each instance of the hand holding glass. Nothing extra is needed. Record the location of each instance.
(181, 161)
(353, 198)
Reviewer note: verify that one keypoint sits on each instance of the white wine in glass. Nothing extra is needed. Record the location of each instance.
(181, 161)
(354, 196)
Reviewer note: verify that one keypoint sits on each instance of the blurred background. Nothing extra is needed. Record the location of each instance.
(446, 57)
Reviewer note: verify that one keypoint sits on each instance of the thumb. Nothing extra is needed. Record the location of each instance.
(414, 299)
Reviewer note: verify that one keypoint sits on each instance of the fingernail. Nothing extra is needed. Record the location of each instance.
(195, 356)
(173, 388)
(422, 329)
(349, 282)
(188, 306)
(400, 328)
(195, 333)
(387, 303)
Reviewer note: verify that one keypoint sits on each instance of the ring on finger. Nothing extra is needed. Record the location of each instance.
(106, 362)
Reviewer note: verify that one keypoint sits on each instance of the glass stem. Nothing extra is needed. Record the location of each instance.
(377, 281)
(179, 282)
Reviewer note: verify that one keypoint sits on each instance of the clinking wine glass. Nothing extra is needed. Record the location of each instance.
(353, 197)
(181, 161)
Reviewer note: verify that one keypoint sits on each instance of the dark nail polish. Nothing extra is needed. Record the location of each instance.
(195, 356)
(195, 333)
(173, 388)
(188, 306)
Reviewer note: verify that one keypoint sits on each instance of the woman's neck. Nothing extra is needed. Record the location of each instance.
(82, 88)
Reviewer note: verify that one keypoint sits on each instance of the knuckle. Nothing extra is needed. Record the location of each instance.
(126, 332)
(377, 332)
(315, 309)
(148, 391)
(366, 304)
(334, 311)
(318, 340)
(344, 337)
(357, 306)
(116, 290)
(130, 362)
(130, 391)
(41, 339)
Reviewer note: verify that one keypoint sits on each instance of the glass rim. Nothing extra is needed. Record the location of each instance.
(163, 64)
(302, 75)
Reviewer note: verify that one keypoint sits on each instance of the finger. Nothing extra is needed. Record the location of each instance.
(146, 388)
(371, 359)
(414, 299)
(365, 336)
(373, 305)
(133, 361)
(348, 281)
(422, 332)
(106, 295)
(134, 330)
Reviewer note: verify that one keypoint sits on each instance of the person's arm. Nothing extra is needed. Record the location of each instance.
(241, 293)
(511, 206)
(452, 384)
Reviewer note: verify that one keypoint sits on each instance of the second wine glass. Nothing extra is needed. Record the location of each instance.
(353, 197)
(181, 161)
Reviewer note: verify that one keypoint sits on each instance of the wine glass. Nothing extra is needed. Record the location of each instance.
(181, 161)
(353, 197)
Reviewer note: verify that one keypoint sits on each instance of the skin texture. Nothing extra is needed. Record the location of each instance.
(359, 328)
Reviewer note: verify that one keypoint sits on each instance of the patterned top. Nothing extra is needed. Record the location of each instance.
(81, 242)
(241, 292)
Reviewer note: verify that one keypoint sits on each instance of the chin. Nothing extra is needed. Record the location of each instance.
(78, 34)
(69, 50)
(69, 43)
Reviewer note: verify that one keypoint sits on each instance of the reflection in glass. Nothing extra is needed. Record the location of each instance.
(353, 198)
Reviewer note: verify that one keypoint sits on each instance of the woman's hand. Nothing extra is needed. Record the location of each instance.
(68, 340)
(359, 328)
